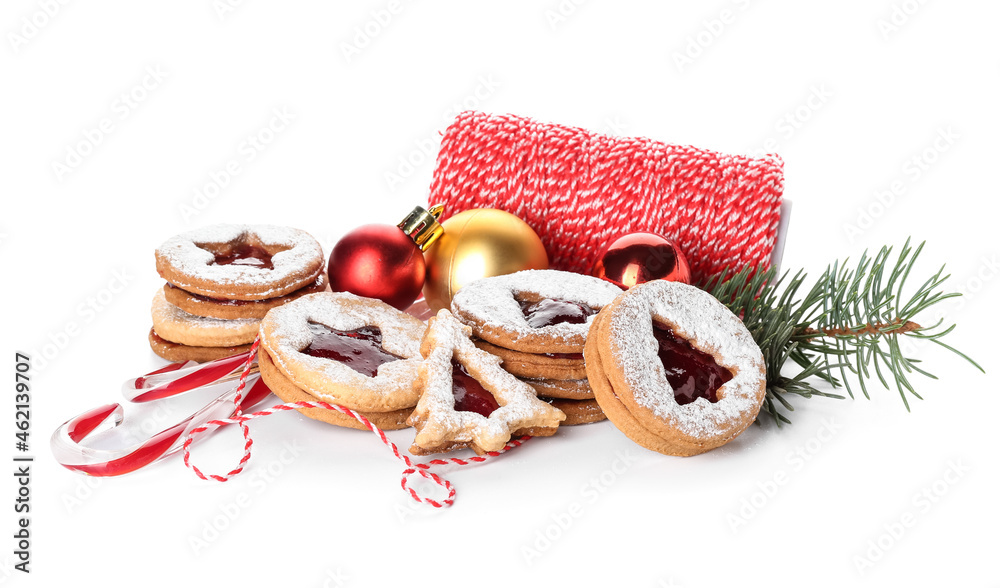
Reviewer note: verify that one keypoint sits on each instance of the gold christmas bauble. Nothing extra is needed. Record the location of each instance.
(476, 244)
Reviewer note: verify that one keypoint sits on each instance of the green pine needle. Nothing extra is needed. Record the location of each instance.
(846, 328)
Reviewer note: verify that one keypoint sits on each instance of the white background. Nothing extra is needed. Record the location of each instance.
(847, 98)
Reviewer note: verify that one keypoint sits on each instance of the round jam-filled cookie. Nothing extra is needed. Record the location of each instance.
(178, 353)
(177, 326)
(674, 369)
(534, 311)
(551, 366)
(344, 349)
(284, 389)
(578, 412)
(240, 262)
(232, 309)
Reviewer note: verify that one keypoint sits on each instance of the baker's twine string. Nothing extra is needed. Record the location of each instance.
(580, 190)
(423, 469)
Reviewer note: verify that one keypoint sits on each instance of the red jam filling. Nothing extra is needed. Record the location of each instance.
(692, 373)
(550, 311)
(360, 349)
(469, 394)
(245, 254)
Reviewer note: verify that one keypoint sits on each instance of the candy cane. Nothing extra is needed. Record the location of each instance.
(174, 379)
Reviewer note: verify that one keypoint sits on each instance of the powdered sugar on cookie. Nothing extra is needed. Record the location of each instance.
(285, 333)
(164, 311)
(492, 305)
(440, 427)
(178, 326)
(187, 262)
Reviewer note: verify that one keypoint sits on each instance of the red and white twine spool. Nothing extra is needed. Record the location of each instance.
(580, 190)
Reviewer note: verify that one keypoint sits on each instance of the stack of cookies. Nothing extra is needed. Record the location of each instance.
(222, 280)
(506, 362)
(395, 371)
(537, 321)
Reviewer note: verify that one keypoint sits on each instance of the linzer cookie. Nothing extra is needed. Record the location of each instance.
(240, 262)
(235, 309)
(549, 366)
(180, 336)
(344, 349)
(228, 275)
(537, 322)
(284, 389)
(578, 412)
(468, 400)
(674, 369)
(533, 311)
(178, 353)
(568, 389)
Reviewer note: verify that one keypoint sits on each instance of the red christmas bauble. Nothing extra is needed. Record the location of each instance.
(641, 257)
(378, 261)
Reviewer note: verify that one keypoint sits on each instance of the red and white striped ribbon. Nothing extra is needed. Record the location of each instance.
(423, 469)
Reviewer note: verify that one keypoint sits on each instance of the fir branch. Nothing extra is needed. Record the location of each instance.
(846, 328)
